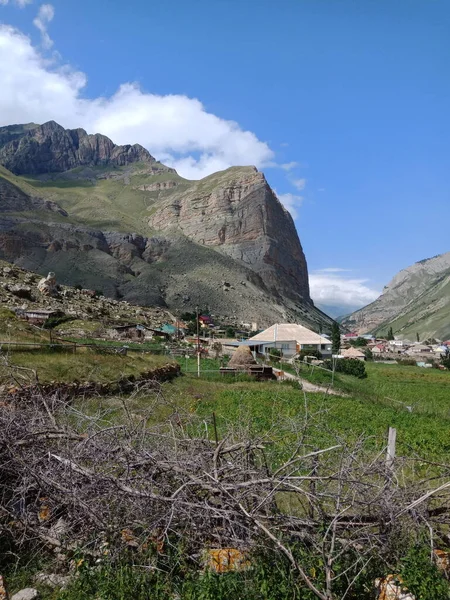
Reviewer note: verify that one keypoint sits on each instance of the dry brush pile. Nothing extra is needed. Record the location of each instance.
(72, 481)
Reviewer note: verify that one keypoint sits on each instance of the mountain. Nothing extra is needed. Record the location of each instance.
(113, 218)
(49, 148)
(417, 300)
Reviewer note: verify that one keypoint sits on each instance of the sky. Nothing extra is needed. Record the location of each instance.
(343, 104)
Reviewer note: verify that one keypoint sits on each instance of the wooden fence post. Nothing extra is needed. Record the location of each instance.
(390, 456)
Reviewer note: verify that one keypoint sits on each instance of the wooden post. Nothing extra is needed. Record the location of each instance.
(215, 428)
(312, 486)
(390, 456)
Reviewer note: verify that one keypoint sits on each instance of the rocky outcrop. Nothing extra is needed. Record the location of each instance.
(237, 213)
(156, 187)
(47, 285)
(49, 148)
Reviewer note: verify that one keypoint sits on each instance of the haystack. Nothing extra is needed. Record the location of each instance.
(242, 358)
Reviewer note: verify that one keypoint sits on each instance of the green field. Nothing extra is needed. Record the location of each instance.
(85, 365)
(269, 410)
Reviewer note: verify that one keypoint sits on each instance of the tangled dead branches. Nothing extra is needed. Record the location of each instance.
(76, 479)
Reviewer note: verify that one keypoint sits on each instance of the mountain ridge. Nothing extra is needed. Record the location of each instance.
(140, 231)
(49, 148)
(415, 301)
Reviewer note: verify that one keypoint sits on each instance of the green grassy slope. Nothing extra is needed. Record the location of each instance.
(105, 198)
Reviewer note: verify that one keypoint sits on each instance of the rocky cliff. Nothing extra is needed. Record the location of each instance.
(237, 213)
(49, 148)
(417, 300)
(112, 218)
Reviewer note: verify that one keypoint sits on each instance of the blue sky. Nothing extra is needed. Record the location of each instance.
(347, 102)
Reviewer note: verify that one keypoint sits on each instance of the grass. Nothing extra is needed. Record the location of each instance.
(13, 329)
(270, 410)
(427, 391)
(85, 365)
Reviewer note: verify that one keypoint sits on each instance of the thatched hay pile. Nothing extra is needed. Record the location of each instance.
(242, 358)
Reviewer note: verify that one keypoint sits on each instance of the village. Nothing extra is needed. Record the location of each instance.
(44, 303)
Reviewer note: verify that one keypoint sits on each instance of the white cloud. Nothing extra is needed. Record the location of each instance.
(289, 166)
(299, 183)
(333, 270)
(175, 128)
(328, 288)
(291, 202)
(44, 17)
(19, 3)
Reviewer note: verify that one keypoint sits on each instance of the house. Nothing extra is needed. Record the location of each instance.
(419, 349)
(39, 317)
(378, 349)
(205, 321)
(353, 353)
(136, 332)
(291, 339)
(131, 331)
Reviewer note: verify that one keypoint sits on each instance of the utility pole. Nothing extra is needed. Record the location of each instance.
(198, 343)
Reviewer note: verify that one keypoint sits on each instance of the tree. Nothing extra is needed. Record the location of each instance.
(216, 347)
(445, 359)
(417, 337)
(229, 332)
(359, 342)
(390, 334)
(335, 338)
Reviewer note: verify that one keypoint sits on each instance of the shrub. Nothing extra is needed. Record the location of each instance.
(421, 576)
(348, 366)
(359, 342)
(275, 355)
(53, 322)
(445, 359)
(304, 353)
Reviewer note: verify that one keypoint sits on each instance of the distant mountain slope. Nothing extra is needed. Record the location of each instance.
(417, 300)
(119, 221)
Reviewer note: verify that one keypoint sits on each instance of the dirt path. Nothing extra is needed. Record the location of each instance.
(306, 385)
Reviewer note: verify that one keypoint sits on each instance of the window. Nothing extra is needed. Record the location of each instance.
(285, 346)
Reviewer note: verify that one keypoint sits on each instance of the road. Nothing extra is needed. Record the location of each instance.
(306, 385)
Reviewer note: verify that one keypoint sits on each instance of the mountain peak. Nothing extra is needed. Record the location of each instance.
(49, 148)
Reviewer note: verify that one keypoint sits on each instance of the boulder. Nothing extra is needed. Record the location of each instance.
(26, 594)
(47, 285)
(21, 291)
(53, 580)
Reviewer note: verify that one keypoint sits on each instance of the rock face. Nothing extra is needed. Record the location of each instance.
(224, 243)
(237, 213)
(49, 148)
(417, 300)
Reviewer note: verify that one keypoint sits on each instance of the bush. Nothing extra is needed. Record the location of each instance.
(275, 355)
(422, 577)
(53, 322)
(304, 353)
(407, 362)
(348, 366)
(359, 342)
